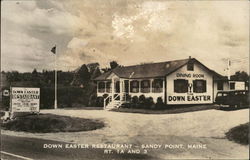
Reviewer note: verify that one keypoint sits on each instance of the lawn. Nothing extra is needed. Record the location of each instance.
(47, 123)
(239, 134)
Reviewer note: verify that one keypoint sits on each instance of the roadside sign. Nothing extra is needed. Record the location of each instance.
(6, 93)
(25, 99)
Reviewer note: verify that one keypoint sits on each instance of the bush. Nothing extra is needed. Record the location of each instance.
(99, 101)
(92, 100)
(126, 105)
(128, 97)
(239, 134)
(48, 123)
(142, 100)
(135, 101)
(159, 104)
(149, 103)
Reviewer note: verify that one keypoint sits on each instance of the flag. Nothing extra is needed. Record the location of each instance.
(53, 50)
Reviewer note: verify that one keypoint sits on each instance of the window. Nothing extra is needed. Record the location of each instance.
(108, 87)
(200, 86)
(117, 86)
(181, 86)
(145, 86)
(190, 66)
(219, 94)
(101, 87)
(134, 86)
(219, 85)
(157, 85)
(232, 86)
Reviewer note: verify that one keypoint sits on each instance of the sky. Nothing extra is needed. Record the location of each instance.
(127, 31)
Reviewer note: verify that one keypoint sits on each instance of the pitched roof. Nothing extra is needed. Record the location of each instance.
(150, 70)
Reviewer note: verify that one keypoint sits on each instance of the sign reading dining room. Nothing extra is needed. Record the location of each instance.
(189, 75)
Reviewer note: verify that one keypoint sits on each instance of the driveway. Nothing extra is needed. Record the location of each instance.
(201, 128)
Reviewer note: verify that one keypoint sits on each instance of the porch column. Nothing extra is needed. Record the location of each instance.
(163, 90)
(105, 86)
(97, 87)
(139, 86)
(151, 85)
(112, 90)
(128, 86)
(121, 88)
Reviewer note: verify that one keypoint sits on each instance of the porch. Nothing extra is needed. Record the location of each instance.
(117, 90)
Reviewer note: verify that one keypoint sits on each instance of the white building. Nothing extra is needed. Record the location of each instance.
(185, 81)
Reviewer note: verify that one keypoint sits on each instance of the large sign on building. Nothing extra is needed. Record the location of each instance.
(25, 99)
(190, 86)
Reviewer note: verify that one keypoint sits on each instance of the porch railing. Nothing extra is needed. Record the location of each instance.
(117, 97)
(107, 100)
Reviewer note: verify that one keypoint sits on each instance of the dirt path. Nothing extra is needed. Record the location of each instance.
(205, 128)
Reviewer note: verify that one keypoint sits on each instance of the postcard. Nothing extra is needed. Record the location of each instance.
(124, 79)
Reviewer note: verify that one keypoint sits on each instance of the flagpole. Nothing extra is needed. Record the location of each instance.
(55, 103)
(228, 69)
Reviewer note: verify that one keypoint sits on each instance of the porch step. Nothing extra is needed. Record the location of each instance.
(116, 104)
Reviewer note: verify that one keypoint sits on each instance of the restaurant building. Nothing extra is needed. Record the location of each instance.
(185, 81)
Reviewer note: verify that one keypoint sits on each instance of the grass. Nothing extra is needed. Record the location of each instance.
(47, 123)
(168, 110)
(239, 134)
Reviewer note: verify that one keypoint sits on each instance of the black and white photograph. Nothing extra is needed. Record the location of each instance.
(124, 79)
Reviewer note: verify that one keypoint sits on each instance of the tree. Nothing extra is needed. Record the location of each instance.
(35, 77)
(240, 76)
(96, 73)
(83, 73)
(105, 69)
(81, 76)
(13, 76)
(113, 64)
(34, 72)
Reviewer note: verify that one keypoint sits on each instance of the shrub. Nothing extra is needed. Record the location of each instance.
(92, 100)
(142, 100)
(128, 97)
(49, 123)
(149, 103)
(159, 104)
(135, 101)
(126, 105)
(99, 101)
(239, 134)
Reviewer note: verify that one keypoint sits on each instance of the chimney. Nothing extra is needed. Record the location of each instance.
(189, 57)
